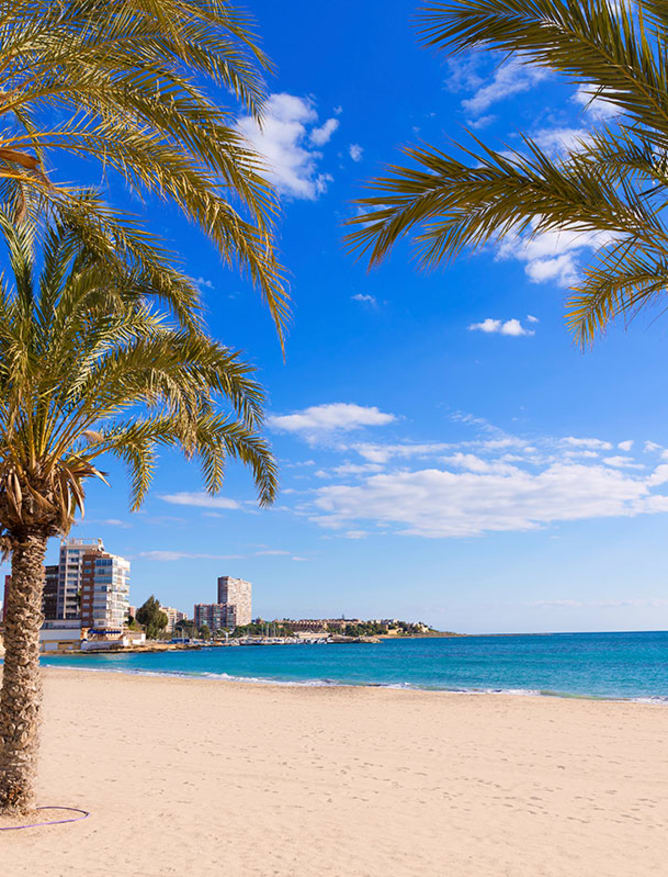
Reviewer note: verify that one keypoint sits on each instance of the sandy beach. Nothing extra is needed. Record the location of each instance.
(202, 777)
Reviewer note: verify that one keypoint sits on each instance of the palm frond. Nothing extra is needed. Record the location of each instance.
(91, 366)
(612, 183)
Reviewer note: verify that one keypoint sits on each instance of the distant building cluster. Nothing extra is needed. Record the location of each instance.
(315, 625)
(233, 609)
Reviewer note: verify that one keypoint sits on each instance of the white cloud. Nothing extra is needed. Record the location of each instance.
(532, 319)
(349, 469)
(501, 327)
(284, 140)
(319, 420)
(552, 255)
(510, 78)
(591, 443)
(438, 503)
(366, 299)
(202, 281)
(625, 446)
(272, 552)
(200, 499)
(463, 72)
(377, 453)
(555, 140)
(474, 463)
(115, 522)
(323, 134)
(620, 462)
(168, 556)
(481, 122)
(355, 151)
(597, 107)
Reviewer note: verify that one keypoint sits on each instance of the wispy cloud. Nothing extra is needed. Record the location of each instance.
(199, 499)
(364, 298)
(320, 420)
(561, 139)
(490, 482)
(170, 556)
(355, 151)
(511, 77)
(595, 104)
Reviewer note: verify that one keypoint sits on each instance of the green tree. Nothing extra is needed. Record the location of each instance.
(614, 182)
(128, 83)
(152, 618)
(93, 365)
(205, 632)
(185, 628)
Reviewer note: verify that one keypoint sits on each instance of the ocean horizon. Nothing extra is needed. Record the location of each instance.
(613, 665)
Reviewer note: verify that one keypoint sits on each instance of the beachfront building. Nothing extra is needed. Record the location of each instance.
(236, 594)
(72, 552)
(105, 585)
(60, 636)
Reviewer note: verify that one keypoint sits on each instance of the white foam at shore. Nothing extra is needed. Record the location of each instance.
(330, 683)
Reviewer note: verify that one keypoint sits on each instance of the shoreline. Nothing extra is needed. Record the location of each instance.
(255, 681)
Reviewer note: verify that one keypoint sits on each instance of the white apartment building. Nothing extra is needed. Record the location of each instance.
(105, 586)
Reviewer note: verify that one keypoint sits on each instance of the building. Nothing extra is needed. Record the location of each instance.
(105, 585)
(237, 595)
(319, 624)
(214, 615)
(173, 617)
(60, 636)
(311, 625)
(72, 552)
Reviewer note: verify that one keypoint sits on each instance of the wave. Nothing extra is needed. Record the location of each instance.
(338, 683)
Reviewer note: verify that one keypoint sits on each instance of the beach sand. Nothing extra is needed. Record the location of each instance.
(201, 777)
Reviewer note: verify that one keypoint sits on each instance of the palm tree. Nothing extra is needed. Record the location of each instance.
(92, 365)
(614, 181)
(131, 84)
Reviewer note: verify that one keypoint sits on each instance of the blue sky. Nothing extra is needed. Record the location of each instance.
(447, 454)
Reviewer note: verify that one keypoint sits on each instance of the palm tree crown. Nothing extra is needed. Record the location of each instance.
(90, 366)
(124, 81)
(614, 181)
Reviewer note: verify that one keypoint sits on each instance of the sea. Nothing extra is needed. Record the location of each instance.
(631, 666)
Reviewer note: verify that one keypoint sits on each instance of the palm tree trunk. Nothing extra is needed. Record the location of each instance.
(21, 697)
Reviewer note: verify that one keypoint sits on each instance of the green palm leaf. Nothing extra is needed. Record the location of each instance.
(614, 182)
(130, 83)
(91, 366)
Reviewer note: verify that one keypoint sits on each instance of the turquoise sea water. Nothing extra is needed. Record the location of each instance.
(613, 665)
